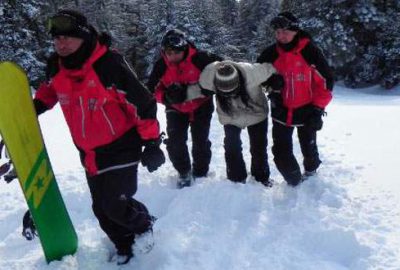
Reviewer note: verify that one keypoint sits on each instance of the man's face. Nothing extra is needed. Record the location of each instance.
(174, 56)
(284, 36)
(65, 45)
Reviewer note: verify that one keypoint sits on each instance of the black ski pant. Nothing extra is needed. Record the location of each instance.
(283, 151)
(120, 216)
(177, 129)
(235, 165)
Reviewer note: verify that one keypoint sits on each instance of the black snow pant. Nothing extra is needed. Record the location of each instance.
(120, 216)
(177, 129)
(235, 165)
(283, 151)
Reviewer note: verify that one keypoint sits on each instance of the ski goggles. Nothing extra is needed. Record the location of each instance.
(66, 25)
(174, 42)
(281, 22)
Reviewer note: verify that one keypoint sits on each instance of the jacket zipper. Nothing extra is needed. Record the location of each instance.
(287, 85)
(83, 117)
(107, 119)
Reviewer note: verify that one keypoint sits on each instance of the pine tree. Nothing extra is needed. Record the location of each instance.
(253, 33)
(23, 37)
(349, 33)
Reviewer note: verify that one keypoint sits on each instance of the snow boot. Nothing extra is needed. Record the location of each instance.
(267, 182)
(309, 173)
(123, 256)
(185, 180)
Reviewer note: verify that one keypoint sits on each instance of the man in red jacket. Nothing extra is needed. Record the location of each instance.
(174, 82)
(301, 103)
(111, 115)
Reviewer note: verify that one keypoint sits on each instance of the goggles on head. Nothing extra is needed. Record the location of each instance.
(64, 23)
(174, 42)
(281, 22)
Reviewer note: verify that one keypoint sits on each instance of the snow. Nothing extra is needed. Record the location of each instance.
(346, 217)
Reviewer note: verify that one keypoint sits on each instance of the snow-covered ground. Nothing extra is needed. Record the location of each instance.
(346, 217)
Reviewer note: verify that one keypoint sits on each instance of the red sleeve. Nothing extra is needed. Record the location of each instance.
(159, 93)
(321, 93)
(47, 95)
(148, 129)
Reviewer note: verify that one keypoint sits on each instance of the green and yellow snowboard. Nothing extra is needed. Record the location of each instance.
(21, 133)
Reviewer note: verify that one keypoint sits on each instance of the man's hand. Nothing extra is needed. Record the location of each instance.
(314, 121)
(175, 93)
(152, 156)
(275, 82)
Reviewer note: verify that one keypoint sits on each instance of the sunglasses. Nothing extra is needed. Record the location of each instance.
(64, 24)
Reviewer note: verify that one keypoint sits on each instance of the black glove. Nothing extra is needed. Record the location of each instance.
(314, 121)
(40, 107)
(276, 99)
(175, 93)
(5, 168)
(277, 108)
(275, 81)
(11, 175)
(28, 227)
(152, 156)
(1, 147)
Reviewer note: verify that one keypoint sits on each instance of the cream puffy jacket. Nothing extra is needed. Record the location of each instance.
(253, 75)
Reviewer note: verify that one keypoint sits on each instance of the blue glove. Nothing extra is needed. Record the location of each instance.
(152, 156)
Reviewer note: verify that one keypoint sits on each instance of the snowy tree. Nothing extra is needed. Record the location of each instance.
(390, 42)
(360, 38)
(351, 33)
(23, 36)
(253, 33)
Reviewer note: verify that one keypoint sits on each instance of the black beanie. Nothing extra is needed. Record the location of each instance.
(285, 20)
(71, 23)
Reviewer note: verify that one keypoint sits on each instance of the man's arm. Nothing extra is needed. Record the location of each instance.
(124, 78)
(201, 59)
(322, 76)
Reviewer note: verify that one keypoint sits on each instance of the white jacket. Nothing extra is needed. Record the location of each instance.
(254, 75)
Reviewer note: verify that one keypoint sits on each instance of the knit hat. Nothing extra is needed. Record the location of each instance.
(70, 23)
(226, 78)
(285, 20)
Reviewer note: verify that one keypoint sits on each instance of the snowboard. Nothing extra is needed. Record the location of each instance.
(21, 133)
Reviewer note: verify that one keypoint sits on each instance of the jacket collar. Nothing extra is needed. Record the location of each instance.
(99, 51)
(191, 51)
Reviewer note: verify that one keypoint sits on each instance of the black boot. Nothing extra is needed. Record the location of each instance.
(124, 255)
(185, 180)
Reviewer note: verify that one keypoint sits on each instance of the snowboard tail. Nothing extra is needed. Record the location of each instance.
(21, 133)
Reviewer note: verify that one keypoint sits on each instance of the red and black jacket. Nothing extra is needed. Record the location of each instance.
(108, 111)
(186, 72)
(308, 80)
